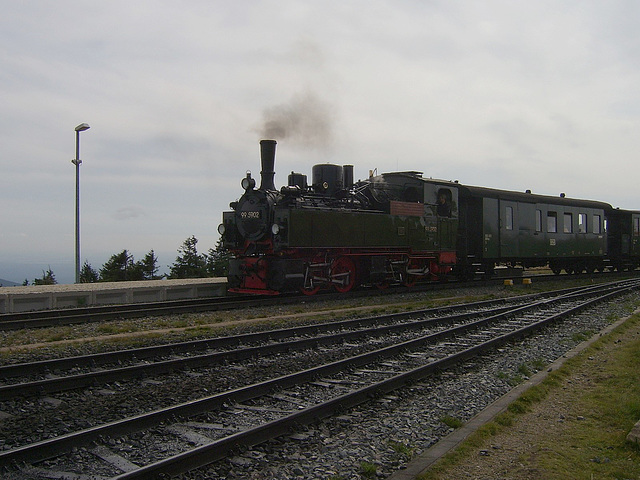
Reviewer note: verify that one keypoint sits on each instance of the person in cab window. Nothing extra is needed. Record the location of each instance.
(444, 205)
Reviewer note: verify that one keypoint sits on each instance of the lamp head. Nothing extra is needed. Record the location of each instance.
(82, 127)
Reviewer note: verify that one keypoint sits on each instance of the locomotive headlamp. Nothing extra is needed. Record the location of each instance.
(222, 229)
(248, 183)
(275, 229)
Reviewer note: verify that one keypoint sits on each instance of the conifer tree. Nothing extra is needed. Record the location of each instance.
(218, 261)
(117, 268)
(88, 274)
(188, 264)
(48, 278)
(148, 266)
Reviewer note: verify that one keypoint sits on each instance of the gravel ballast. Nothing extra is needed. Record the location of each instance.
(375, 440)
(380, 438)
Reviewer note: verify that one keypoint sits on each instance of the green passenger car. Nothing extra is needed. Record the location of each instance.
(624, 239)
(530, 230)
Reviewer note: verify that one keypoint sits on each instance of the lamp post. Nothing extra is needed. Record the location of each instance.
(76, 161)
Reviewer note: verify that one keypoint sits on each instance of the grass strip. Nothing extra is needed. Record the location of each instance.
(571, 426)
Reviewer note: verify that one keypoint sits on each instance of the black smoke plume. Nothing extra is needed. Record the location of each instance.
(306, 121)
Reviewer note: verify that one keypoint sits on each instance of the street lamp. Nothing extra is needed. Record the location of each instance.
(76, 161)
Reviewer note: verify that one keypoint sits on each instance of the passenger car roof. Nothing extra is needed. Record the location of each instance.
(485, 192)
(531, 197)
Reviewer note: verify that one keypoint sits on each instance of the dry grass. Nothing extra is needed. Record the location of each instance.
(572, 426)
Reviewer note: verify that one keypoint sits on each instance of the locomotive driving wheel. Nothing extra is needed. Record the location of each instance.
(410, 279)
(310, 290)
(314, 276)
(343, 274)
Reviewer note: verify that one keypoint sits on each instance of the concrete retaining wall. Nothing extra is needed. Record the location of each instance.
(44, 297)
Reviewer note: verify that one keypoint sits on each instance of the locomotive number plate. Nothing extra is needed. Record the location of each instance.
(251, 215)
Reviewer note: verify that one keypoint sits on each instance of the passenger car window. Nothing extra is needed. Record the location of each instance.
(568, 223)
(509, 218)
(552, 222)
(596, 224)
(582, 223)
(538, 220)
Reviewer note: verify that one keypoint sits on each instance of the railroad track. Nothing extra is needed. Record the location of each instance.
(71, 316)
(198, 432)
(52, 318)
(34, 378)
(17, 379)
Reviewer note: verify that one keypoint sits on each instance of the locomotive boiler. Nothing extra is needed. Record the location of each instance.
(334, 232)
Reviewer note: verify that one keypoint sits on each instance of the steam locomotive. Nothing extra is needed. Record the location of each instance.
(400, 227)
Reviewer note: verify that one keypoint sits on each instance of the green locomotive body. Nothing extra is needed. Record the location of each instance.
(336, 233)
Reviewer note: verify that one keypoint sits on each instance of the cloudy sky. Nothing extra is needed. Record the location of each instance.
(509, 94)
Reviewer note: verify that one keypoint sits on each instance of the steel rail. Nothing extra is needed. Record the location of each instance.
(96, 313)
(76, 315)
(61, 383)
(50, 318)
(12, 370)
(51, 447)
(218, 449)
(44, 366)
(51, 385)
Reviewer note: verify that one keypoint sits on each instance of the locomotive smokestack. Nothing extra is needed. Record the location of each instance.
(268, 158)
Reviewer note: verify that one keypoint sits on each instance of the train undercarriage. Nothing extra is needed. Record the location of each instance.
(569, 265)
(339, 269)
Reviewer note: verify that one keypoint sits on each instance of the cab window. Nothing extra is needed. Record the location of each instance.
(444, 202)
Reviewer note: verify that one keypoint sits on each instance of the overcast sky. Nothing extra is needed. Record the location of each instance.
(510, 94)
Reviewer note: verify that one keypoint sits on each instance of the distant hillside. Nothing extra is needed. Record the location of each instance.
(8, 283)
